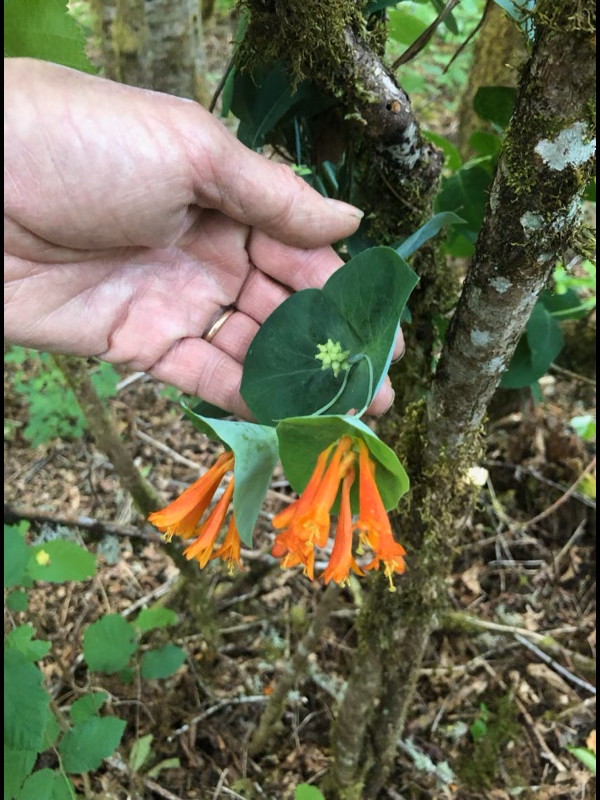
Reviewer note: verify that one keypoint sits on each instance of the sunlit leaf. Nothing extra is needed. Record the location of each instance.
(255, 450)
(359, 307)
(301, 439)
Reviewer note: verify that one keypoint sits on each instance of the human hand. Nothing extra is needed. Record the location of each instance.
(132, 219)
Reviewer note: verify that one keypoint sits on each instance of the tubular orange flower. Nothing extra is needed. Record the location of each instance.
(341, 560)
(231, 547)
(307, 521)
(373, 523)
(202, 548)
(181, 517)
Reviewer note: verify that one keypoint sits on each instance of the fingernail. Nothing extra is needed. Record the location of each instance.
(397, 359)
(345, 208)
(391, 403)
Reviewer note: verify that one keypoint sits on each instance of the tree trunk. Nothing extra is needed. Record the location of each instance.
(499, 54)
(154, 44)
(532, 217)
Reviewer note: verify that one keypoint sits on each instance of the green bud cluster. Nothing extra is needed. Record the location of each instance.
(333, 357)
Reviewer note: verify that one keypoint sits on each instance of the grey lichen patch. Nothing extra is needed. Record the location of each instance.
(501, 285)
(570, 148)
(531, 222)
(480, 338)
(494, 365)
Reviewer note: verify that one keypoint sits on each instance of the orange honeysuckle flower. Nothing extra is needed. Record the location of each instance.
(202, 548)
(307, 522)
(231, 547)
(181, 517)
(373, 523)
(341, 560)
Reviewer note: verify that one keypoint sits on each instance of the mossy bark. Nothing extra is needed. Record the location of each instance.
(154, 44)
(499, 53)
(532, 216)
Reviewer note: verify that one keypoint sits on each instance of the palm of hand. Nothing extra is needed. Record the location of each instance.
(132, 219)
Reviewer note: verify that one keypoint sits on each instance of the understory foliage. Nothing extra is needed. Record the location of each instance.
(311, 83)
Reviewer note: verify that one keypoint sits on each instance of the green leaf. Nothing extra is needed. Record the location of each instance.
(465, 193)
(52, 731)
(162, 662)
(495, 104)
(140, 752)
(21, 638)
(46, 784)
(25, 702)
(587, 757)
(85, 746)
(301, 439)
(66, 561)
(565, 305)
(404, 27)
(205, 409)
(452, 159)
(535, 351)
(260, 100)
(427, 231)
(16, 555)
(307, 792)
(17, 766)
(87, 706)
(584, 426)
(17, 601)
(150, 618)
(485, 143)
(44, 29)
(590, 192)
(109, 643)
(255, 450)
(168, 763)
(359, 307)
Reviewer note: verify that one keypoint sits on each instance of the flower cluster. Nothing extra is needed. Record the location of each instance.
(183, 517)
(303, 525)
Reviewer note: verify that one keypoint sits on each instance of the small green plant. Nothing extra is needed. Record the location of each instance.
(586, 756)
(53, 410)
(33, 724)
(307, 792)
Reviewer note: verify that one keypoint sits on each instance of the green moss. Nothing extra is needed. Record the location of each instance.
(309, 37)
(479, 764)
(567, 16)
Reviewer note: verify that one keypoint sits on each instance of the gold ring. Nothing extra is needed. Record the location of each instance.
(218, 324)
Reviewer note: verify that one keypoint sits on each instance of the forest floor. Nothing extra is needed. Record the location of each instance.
(496, 708)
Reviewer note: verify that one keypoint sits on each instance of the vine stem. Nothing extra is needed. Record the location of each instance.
(354, 360)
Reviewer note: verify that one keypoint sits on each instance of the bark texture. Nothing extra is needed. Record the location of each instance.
(270, 720)
(154, 44)
(532, 216)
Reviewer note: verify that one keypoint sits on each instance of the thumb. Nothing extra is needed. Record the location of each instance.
(266, 195)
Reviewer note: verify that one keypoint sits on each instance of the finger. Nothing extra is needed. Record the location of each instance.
(251, 189)
(198, 368)
(383, 399)
(260, 296)
(293, 266)
(399, 346)
(235, 336)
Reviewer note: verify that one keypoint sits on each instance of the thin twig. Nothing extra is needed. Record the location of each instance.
(570, 374)
(225, 703)
(156, 787)
(14, 514)
(555, 665)
(561, 500)
(221, 85)
(419, 43)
